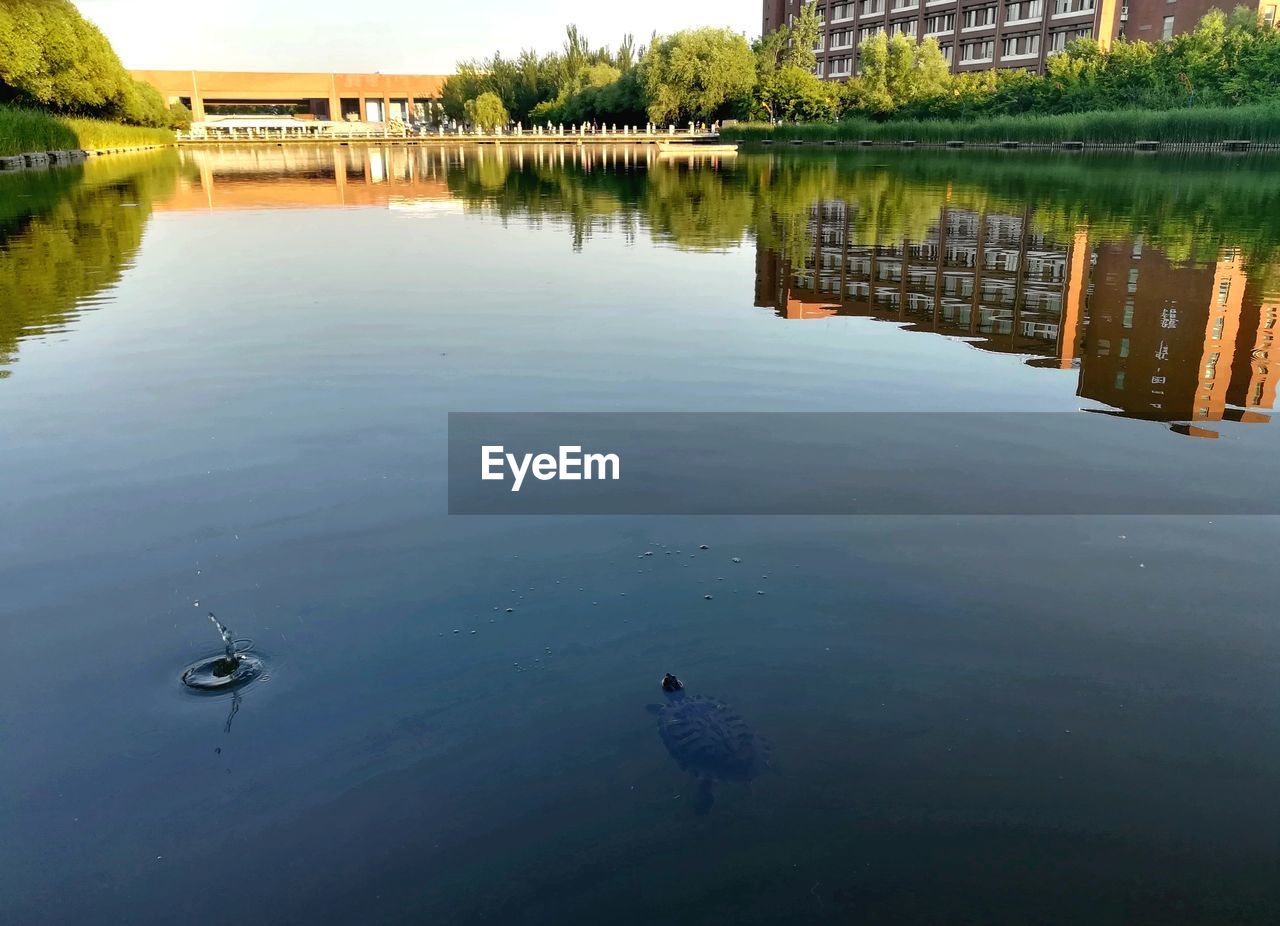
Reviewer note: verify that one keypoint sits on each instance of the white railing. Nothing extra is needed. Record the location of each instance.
(221, 131)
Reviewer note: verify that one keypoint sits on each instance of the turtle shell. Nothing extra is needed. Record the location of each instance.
(708, 738)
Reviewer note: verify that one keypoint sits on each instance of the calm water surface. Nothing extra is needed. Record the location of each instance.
(224, 381)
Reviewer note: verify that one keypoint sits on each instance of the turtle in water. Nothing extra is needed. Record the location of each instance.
(708, 740)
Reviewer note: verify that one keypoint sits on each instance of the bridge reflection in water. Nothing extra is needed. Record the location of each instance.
(1185, 342)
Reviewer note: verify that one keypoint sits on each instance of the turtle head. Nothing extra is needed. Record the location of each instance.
(671, 685)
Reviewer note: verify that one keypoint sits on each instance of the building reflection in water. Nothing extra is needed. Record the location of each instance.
(264, 177)
(1179, 342)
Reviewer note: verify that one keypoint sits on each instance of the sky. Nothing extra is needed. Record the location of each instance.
(392, 36)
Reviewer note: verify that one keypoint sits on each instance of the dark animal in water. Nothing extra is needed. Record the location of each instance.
(708, 740)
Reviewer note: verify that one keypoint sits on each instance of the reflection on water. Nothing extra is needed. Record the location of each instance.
(66, 235)
(981, 720)
(1163, 298)
(1154, 338)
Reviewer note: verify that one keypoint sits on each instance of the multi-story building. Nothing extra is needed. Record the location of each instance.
(977, 35)
(1184, 342)
(974, 35)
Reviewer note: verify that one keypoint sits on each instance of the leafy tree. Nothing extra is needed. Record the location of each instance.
(896, 72)
(179, 117)
(698, 74)
(487, 112)
(797, 94)
(803, 35)
(52, 58)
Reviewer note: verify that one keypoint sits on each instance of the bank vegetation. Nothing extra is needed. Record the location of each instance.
(63, 86)
(1221, 81)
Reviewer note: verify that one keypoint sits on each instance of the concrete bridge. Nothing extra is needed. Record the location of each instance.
(328, 97)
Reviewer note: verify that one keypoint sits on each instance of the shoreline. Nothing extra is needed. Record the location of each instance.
(44, 160)
(1226, 146)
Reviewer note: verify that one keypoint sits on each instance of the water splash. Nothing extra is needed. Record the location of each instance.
(228, 640)
(236, 666)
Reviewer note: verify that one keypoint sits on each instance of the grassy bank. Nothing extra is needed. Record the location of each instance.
(1207, 124)
(23, 130)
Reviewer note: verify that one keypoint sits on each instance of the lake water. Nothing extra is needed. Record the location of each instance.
(225, 378)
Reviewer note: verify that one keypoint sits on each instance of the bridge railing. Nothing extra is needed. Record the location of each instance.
(221, 131)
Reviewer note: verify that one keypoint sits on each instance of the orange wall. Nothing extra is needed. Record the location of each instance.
(211, 86)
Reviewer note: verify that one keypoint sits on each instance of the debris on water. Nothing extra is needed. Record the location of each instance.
(707, 597)
(648, 553)
(457, 631)
(473, 631)
(510, 610)
(703, 547)
(759, 593)
(737, 559)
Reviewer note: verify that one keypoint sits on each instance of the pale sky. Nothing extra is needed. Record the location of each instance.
(392, 36)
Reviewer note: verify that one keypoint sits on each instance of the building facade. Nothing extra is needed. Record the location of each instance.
(333, 97)
(977, 35)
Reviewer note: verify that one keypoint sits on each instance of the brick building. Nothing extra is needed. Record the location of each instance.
(978, 35)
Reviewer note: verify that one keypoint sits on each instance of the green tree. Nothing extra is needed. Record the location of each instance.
(797, 94)
(53, 58)
(897, 72)
(487, 112)
(698, 74)
(803, 35)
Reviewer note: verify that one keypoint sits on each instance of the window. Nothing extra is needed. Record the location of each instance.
(977, 51)
(948, 52)
(1021, 46)
(1058, 41)
(1166, 30)
(1023, 11)
(905, 4)
(1071, 7)
(905, 27)
(1224, 290)
(1269, 16)
(936, 25)
(1218, 324)
(1128, 314)
(871, 8)
(979, 16)
(842, 39)
(1211, 366)
(867, 31)
(841, 11)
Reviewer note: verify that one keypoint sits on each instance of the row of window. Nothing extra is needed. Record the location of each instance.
(942, 23)
(1016, 11)
(972, 51)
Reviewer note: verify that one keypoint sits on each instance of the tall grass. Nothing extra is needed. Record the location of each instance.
(1260, 123)
(23, 130)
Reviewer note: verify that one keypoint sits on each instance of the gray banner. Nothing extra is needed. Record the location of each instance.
(849, 463)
